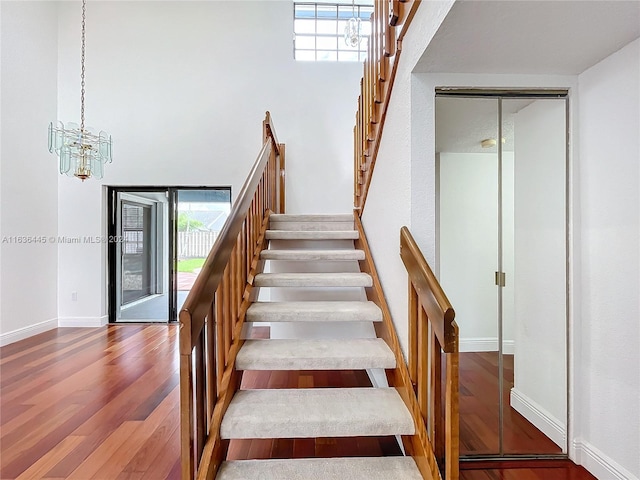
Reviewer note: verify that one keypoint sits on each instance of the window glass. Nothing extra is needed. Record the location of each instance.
(319, 31)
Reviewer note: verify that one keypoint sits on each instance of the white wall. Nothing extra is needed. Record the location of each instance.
(468, 251)
(29, 174)
(182, 87)
(396, 181)
(540, 389)
(608, 367)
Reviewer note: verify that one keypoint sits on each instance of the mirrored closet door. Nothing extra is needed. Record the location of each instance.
(502, 259)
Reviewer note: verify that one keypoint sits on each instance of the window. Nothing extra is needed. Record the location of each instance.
(319, 31)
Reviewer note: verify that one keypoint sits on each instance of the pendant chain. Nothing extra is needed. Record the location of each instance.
(84, 6)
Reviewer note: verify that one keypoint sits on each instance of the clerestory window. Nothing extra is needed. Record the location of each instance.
(319, 31)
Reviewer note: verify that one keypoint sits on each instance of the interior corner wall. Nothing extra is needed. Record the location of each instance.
(608, 367)
(183, 88)
(393, 186)
(28, 185)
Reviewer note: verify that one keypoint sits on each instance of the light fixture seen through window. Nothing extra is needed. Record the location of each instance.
(82, 153)
(352, 31)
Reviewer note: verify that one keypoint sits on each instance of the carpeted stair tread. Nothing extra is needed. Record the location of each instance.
(314, 312)
(312, 234)
(312, 255)
(313, 280)
(316, 412)
(317, 217)
(353, 468)
(297, 354)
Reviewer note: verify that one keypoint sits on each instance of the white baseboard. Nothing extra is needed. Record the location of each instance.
(489, 344)
(599, 464)
(83, 321)
(28, 331)
(540, 417)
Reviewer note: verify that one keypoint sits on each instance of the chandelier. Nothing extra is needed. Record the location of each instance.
(352, 31)
(82, 152)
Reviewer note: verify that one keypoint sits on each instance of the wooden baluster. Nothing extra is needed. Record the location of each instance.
(435, 409)
(423, 362)
(452, 418)
(188, 466)
(238, 273)
(200, 400)
(413, 335)
(212, 386)
(439, 426)
(233, 312)
(226, 304)
(221, 355)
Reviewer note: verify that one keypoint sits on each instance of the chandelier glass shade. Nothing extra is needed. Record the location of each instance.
(352, 32)
(82, 152)
(353, 28)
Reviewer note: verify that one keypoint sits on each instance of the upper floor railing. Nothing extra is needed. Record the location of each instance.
(212, 316)
(389, 24)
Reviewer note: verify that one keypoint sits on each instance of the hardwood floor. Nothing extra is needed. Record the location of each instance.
(82, 403)
(103, 403)
(479, 410)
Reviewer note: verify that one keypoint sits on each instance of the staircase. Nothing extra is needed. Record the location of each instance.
(317, 285)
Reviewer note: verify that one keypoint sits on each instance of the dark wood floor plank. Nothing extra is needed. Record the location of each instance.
(103, 403)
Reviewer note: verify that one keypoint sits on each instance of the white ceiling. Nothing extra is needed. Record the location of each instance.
(462, 123)
(530, 37)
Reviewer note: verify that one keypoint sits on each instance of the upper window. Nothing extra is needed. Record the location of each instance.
(319, 31)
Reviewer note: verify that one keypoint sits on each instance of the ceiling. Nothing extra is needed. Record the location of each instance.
(530, 37)
(462, 123)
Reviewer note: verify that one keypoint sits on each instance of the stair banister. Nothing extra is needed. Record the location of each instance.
(433, 332)
(389, 24)
(212, 315)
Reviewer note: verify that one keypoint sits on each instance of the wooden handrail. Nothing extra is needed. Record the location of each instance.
(430, 293)
(213, 313)
(389, 24)
(433, 332)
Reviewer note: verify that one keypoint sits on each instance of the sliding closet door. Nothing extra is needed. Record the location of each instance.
(502, 260)
(535, 380)
(468, 239)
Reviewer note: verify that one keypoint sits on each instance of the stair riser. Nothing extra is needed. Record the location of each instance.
(314, 312)
(313, 283)
(311, 226)
(312, 256)
(311, 235)
(371, 468)
(293, 218)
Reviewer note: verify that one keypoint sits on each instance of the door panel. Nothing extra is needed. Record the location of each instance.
(539, 390)
(501, 183)
(468, 237)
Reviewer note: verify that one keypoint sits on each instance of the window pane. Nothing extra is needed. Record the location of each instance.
(342, 45)
(346, 13)
(305, 42)
(365, 13)
(321, 26)
(306, 55)
(348, 56)
(326, 43)
(327, 56)
(305, 11)
(327, 11)
(304, 26)
(328, 26)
